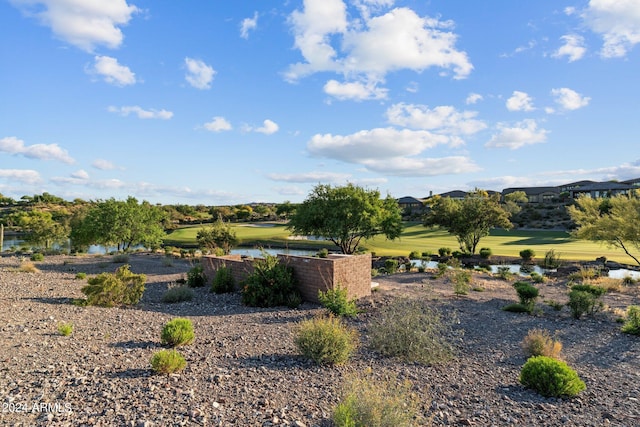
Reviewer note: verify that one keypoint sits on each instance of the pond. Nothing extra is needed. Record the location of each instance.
(257, 253)
(14, 243)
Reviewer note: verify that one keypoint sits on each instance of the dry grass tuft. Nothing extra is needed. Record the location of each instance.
(539, 342)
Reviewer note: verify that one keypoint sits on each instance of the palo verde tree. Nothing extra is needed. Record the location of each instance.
(119, 223)
(469, 219)
(217, 235)
(613, 221)
(346, 215)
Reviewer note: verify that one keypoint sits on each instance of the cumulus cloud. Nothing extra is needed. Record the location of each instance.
(112, 72)
(199, 75)
(268, 127)
(310, 177)
(473, 98)
(218, 124)
(442, 119)
(26, 176)
(520, 101)
(356, 91)
(569, 99)
(366, 48)
(406, 166)
(522, 133)
(618, 22)
(573, 48)
(247, 25)
(104, 165)
(84, 24)
(80, 174)
(15, 146)
(140, 112)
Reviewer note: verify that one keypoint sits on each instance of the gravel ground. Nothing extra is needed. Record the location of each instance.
(243, 368)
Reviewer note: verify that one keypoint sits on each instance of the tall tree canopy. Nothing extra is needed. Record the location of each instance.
(346, 215)
(217, 235)
(41, 228)
(469, 219)
(614, 221)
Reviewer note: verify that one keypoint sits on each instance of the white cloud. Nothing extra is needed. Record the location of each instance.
(573, 48)
(27, 176)
(85, 24)
(520, 101)
(80, 174)
(523, 133)
(618, 22)
(310, 177)
(218, 124)
(141, 113)
(357, 91)
(569, 99)
(248, 24)
(199, 75)
(368, 47)
(104, 165)
(112, 71)
(442, 119)
(405, 166)
(268, 127)
(15, 146)
(473, 98)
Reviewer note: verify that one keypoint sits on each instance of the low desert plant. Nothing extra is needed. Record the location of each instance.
(326, 340)
(461, 281)
(337, 302)
(504, 272)
(120, 259)
(370, 402)
(551, 260)
(196, 277)
(65, 329)
(585, 299)
(167, 362)
(527, 254)
(271, 284)
(28, 267)
(443, 268)
(551, 377)
(632, 321)
(37, 256)
(537, 277)
(178, 294)
(485, 253)
(110, 289)
(81, 276)
(584, 273)
(444, 251)
(323, 253)
(177, 332)
(391, 265)
(516, 307)
(527, 293)
(557, 306)
(412, 331)
(223, 282)
(539, 342)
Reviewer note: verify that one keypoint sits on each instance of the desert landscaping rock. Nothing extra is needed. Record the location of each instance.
(243, 368)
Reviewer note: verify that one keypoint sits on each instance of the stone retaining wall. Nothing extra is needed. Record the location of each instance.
(351, 272)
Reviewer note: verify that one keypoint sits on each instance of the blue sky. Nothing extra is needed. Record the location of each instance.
(227, 102)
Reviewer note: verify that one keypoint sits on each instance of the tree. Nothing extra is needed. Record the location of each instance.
(41, 229)
(285, 209)
(217, 235)
(513, 200)
(346, 215)
(614, 221)
(469, 219)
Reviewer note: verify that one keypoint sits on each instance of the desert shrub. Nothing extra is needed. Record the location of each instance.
(271, 284)
(537, 277)
(485, 253)
(595, 290)
(442, 269)
(414, 255)
(517, 308)
(326, 340)
(372, 402)
(65, 329)
(28, 267)
(167, 362)
(196, 277)
(557, 306)
(632, 322)
(223, 282)
(412, 331)
(504, 272)
(120, 259)
(178, 294)
(37, 256)
(336, 301)
(551, 377)
(177, 332)
(110, 289)
(527, 254)
(427, 254)
(527, 293)
(539, 342)
(391, 265)
(323, 253)
(375, 272)
(581, 302)
(584, 274)
(628, 281)
(461, 282)
(444, 252)
(551, 260)
(81, 275)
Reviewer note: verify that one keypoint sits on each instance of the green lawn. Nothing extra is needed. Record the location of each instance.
(416, 237)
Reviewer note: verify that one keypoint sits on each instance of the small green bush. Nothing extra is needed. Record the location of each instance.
(37, 256)
(167, 362)
(527, 254)
(120, 288)
(371, 402)
(595, 290)
(537, 277)
(444, 251)
(412, 331)
(461, 282)
(81, 276)
(504, 272)
(120, 259)
(178, 294)
(223, 282)
(196, 277)
(527, 293)
(632, 322)
(427, 254)
(325, 340)
(551, 377)
(391, 265)
(443, 268)
(323, 253)
(337, 302)
(65, 329)
(485, 253)
(271, 284)
(585, 299)
(551, 260)
(414, 255)
(177, 332)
